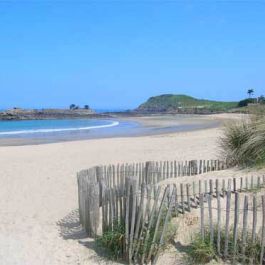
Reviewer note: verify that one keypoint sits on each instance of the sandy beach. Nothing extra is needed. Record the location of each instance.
(38, 191)
(138, 120)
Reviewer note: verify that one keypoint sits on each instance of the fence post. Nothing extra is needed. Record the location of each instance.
(254, 220)
(205, 186)
(158, 220)
(263, 230)
(223, 187)
(254, 225)
(258, 184)
(210, 218)
(200, 186)
(217, 189)
(236, 218)
(127, 215)
(202, 214)
(132, 221)
(211, 186)
(218, 222)
(188, 196)
(161, 242)
(194, 193)
(139, 217)
(228, 206)
(151, 221)
(176, 200)
(234, 184)
(145, 216)
(229, 185)
(79, 187)
(182, 198)
(245, 225)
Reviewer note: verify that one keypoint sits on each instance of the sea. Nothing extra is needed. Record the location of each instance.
(23, 127)
(63, 128)
(56, 130)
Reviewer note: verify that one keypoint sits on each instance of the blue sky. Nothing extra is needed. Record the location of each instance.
(116, 54)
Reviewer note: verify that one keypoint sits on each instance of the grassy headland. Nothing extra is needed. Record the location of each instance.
(184, 104)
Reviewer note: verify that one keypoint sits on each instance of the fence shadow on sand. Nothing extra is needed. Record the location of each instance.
(71, 229)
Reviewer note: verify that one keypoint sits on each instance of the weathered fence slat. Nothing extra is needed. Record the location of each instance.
(161, 242)
(228, 206)
(202, 214)
(254, 223)
(263, 230)
(245, 225)
(210, 218)
(236, 220)
(218, 223)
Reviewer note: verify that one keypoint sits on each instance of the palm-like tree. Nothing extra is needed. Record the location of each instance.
(250, 92)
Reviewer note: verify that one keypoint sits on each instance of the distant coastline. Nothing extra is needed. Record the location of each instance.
(44, 114)
(158, 105)
(58, 114)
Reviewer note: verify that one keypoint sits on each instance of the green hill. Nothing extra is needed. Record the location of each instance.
(184, 104)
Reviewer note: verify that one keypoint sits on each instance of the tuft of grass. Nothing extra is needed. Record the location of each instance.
(202, 251)
(243, 143)
(112, 240)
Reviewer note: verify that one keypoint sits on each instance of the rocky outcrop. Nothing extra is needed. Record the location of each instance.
(39, 114)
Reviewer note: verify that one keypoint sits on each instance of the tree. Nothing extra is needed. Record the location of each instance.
(250, 92)
(72, 106)
(261, 99)
(86, 107)
(245, 102)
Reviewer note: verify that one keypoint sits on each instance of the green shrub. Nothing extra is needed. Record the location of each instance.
(112, 241)
(245, 102)
(201, 251)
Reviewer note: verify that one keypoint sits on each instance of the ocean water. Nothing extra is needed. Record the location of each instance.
(36, 128)
(46, 131)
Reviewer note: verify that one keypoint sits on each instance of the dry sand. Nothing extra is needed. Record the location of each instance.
(38, 191)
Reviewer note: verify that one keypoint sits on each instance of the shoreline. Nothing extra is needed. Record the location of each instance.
(143, 126)
(38, 189)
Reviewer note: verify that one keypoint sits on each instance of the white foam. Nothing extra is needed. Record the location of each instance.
(115, 123)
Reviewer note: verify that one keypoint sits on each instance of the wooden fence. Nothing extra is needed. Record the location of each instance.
(136, 196)
(93, 182)
(236, 225)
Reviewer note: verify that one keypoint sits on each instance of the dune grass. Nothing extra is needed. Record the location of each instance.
(243, 142)
(203, 251)
(112, 241)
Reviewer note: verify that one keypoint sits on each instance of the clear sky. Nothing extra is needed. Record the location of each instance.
(116, 54)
